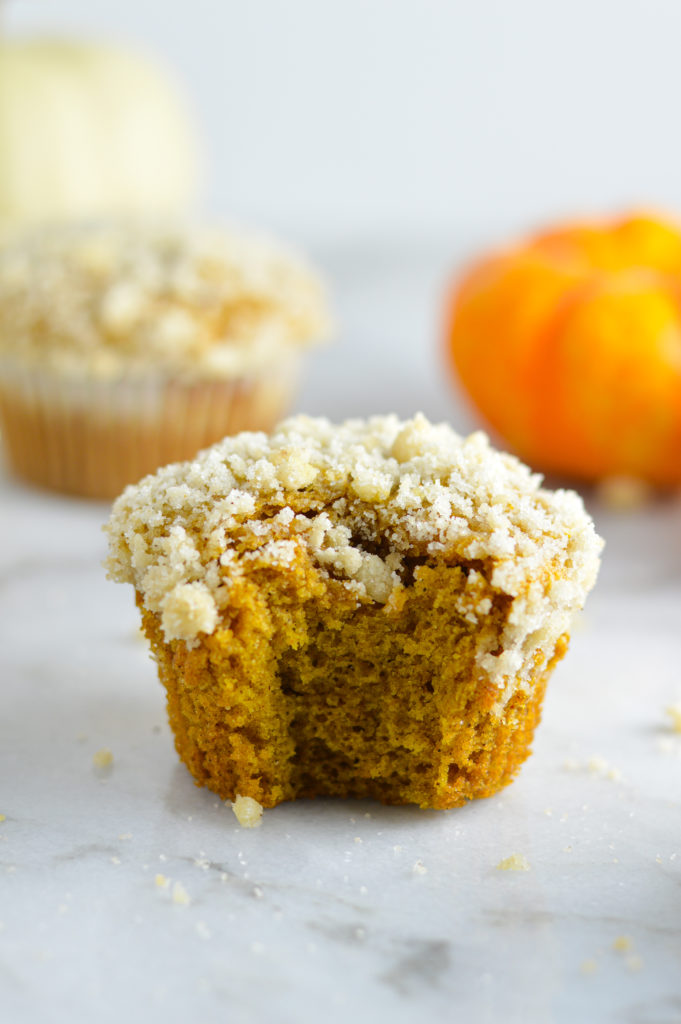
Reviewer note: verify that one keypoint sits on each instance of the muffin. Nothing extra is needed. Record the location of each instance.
(127, 346)
(364, 610)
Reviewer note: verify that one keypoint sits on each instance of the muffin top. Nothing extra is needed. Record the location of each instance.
(367, 502)
(128, 299)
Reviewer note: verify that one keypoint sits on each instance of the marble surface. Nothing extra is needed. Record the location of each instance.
(331, 910)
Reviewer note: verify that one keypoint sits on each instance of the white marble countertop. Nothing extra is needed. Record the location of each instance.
(320, 914)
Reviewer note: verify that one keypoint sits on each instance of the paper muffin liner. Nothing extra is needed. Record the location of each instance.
(93, 437)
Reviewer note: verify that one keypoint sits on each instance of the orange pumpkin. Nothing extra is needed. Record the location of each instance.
(570, 347)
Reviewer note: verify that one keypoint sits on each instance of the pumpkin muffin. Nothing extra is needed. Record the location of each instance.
(126, 346)
(364, 610)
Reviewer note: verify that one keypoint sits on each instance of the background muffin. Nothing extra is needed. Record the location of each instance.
(127, 346)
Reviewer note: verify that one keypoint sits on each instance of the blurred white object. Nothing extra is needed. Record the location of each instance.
(89, 130)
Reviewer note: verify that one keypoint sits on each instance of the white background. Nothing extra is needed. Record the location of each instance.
(357, 117)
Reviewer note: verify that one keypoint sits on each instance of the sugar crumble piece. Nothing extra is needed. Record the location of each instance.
(674, 713)
(3, 817)
(623, 944)
(180, 895)
(589, 966)
(248, 811)
(102, 759)
(623, 493)
(419, 868)
(161, 881)
(516, 862)
(125, 835)
(115, 860)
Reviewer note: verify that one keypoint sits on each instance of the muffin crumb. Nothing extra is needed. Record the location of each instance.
(180, 895)
(102, 759)
(248, 811)
(674, 713)
(516, 862)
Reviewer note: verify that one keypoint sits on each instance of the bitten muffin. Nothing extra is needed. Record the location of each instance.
(127, 346)
(365, 610)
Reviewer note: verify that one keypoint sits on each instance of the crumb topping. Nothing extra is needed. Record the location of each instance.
(124, 298)
(368, 502)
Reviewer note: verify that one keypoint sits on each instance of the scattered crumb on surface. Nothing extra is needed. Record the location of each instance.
(516, 862)
(634, 962)
(623, 493)
(202, 929)
(180, 895)
(419, 868)
(360, 933)
(623, 944)
(248, 811)
(102, 759)
(596, 766)
(162, 881)
(257, 947)
(125, 835)
(589, 966)
(115, 860)
(3, 817)
(257, 892)
(674, 712)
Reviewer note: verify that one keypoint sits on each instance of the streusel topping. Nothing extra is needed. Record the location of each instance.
(124, 298)
(368, 502)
